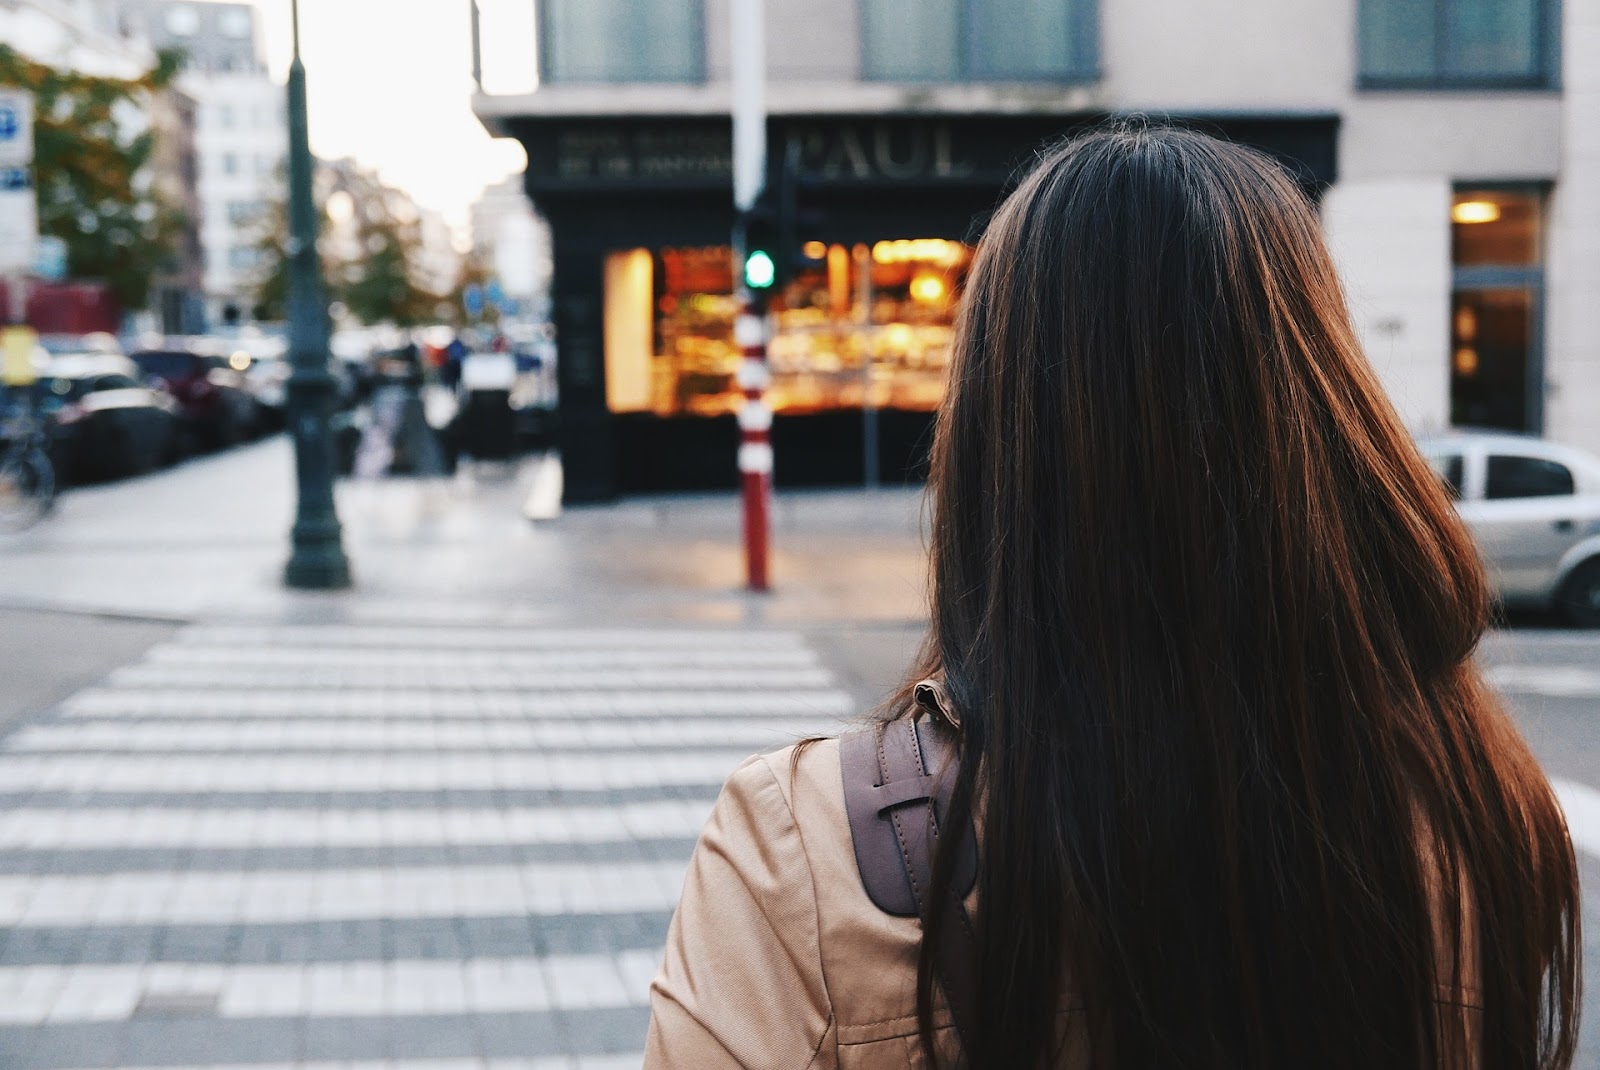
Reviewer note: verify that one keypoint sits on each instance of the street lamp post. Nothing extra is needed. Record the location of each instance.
(316, 560)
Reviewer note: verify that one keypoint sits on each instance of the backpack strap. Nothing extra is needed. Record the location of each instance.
(898, 780)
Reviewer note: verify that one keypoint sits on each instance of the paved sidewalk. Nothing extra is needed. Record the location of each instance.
(207, 540)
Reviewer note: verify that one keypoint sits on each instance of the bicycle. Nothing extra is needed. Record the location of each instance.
(27, 478)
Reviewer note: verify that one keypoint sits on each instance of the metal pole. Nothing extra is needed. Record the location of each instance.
(750, 329)
(477, 46)
(862, 260)
(316, 559)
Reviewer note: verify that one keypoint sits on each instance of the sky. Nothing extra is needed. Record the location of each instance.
(389, 82)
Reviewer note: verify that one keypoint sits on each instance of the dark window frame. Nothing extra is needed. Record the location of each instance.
(1085, 48)
(1547, 44)
(541, 25)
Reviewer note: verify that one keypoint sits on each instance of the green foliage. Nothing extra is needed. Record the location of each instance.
(92, 176)
(475, 271)
(369, 261)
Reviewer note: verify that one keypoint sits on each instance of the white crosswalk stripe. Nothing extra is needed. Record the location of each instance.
(81, 993)
(205, 703)
(200, 897)
(442, 771)
(231, 829)
(1555, 681)
(235, 782)
(233, 735)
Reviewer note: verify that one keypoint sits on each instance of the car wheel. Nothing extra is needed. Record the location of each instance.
(1579, 600)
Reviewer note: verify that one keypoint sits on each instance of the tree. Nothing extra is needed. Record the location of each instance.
(380, 286)
(475, 271)
(369, 246)
(91, 172)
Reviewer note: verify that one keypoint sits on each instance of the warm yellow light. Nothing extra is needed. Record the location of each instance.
(814, 250)
(239, 361)
(1466, 362)
(919, 250)
(927, 288)
(1466, 324)
(1475, 212)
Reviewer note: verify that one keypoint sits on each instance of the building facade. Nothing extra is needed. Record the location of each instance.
(241, 137)
(1453, 147)
(511, 240)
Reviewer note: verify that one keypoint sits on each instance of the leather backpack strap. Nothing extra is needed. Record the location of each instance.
(898, 780)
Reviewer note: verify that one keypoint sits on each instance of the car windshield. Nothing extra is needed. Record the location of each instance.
(168, 365)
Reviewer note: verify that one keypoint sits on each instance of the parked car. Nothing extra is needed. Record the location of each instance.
(1534, 508)
(217, 407)
(103, 420)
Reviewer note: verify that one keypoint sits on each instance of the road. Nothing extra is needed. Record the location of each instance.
(395, 832)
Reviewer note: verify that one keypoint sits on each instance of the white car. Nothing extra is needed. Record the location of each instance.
(1534, 508)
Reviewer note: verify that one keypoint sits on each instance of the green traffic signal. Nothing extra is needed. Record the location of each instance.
(759, 270)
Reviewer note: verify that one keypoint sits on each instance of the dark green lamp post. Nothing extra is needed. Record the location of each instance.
(317, 559)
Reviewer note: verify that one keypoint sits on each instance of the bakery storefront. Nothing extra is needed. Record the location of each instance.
(887, 211)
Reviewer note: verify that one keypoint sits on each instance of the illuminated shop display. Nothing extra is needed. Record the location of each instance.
(855, 325)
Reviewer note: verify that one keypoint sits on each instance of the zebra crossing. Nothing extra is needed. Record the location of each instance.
(404, 847)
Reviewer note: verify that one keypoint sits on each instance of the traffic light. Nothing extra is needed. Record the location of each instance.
(762, 260)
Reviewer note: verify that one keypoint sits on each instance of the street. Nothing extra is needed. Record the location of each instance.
(441, 820)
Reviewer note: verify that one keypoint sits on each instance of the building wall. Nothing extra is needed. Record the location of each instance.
(1391, 240)
(1573, 323)
(1400, 152)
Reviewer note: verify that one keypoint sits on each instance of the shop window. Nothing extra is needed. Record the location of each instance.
(1495, 228)
(978, 40)
(1527, 477)
(621, 41)
(1496, 358)
(1432, 44)
(862, 326)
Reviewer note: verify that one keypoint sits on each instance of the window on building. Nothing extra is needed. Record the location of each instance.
(621, 41)
(243, 257)
(183, 21)
(225, 116)
(1527, 477)
(230, 163)
(1441, 43)
(978, 40)
(243, 213)
(234, 22)
(1496, 356)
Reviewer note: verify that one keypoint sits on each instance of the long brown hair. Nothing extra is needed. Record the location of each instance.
(1209, 619)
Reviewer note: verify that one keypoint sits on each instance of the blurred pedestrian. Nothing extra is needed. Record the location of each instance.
(1200, 668)
(450, 366)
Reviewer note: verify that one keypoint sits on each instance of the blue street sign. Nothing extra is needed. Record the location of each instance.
(50, 258)
(14, 178)
(472, 300)
(10, 122)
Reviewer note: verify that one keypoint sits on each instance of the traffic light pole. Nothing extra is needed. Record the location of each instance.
(750, 329)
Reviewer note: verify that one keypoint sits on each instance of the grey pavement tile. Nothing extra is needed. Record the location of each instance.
(192, 1041)
(356, 800)
(608, 1031)
(390, 938)
(434, 1037)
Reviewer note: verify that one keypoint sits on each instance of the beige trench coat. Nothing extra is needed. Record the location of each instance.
(776, 957)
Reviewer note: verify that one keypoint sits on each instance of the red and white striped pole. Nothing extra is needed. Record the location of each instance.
(755, 437)
(749, 115)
